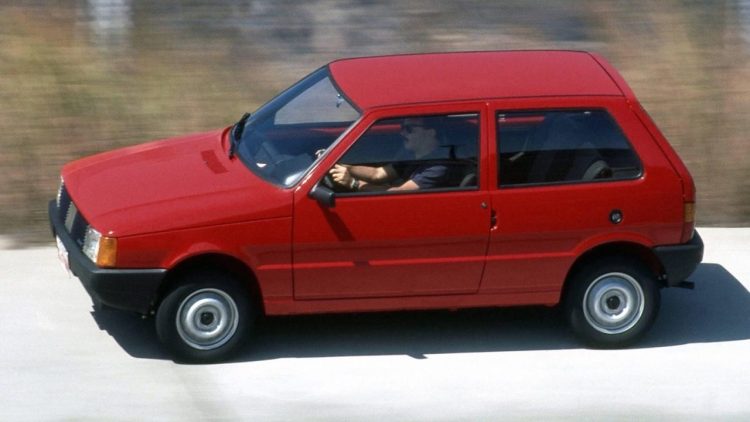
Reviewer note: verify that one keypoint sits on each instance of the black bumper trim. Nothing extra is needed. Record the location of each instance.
(126, 289)
(679, 261)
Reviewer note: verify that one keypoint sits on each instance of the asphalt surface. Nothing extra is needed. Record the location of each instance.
(60, 360)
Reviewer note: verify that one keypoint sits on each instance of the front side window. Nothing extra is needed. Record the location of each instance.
(283, 138)
(412, 153)
(550, 147)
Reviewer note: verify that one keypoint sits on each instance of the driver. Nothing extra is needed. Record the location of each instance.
(420, 138)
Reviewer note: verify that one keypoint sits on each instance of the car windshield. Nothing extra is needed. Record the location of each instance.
(283, 138)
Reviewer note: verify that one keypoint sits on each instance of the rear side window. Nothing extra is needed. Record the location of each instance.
(550, 147)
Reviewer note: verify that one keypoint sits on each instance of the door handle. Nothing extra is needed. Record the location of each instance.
(493, 220)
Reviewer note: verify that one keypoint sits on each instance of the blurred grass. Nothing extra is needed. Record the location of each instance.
(64, 99)
(69, 88)
(691, 71)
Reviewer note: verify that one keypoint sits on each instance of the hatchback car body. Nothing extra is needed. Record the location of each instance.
(387, 183)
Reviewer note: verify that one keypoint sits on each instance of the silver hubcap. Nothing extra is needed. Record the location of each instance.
(613, 303)
(207, 319)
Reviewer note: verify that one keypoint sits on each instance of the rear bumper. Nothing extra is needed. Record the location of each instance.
(679, 261)
(127, 289)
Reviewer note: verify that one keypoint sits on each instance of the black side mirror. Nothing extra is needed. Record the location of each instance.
(324, 195)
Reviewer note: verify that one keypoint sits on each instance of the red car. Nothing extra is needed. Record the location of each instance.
(389, 183)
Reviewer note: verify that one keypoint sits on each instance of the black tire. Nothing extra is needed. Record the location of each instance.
(206, 318)
(612, 303)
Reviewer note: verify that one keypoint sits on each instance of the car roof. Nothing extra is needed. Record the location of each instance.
(442, 77)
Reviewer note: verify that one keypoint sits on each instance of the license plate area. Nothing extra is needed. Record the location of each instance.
(62, 254)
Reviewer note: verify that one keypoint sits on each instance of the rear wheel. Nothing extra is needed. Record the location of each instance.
(205, 318)
(612, 303)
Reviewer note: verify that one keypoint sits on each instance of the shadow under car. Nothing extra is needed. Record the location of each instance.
(717, 310)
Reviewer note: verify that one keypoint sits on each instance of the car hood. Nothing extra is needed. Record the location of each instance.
(171, 184)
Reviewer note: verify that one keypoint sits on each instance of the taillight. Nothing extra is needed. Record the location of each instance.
(688, 221)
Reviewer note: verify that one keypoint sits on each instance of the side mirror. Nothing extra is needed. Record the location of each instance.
(324, 195)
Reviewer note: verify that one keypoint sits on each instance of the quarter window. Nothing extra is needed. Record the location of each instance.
(562, 147)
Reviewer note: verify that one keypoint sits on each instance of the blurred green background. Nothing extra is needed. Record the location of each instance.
(79, 77)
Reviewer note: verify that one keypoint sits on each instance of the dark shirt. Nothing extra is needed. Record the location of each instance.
(429, 174)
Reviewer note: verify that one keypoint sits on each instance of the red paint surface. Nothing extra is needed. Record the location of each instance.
(173, 200)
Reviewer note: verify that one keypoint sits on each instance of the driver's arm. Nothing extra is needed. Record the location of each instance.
(345, 174)
(377, 175)
(408, 185)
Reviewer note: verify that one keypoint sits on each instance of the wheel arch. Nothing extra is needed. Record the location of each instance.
(213, 262)
(620, 249)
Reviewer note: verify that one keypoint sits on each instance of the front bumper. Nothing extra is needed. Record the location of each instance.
(126, 289)
(679, 261)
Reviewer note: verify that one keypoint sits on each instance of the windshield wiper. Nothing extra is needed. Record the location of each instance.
(235, 134)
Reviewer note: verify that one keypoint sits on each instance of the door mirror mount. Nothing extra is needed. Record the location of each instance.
(324, 195)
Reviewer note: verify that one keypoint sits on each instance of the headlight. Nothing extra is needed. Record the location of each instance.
(102, 250)
(91, 243)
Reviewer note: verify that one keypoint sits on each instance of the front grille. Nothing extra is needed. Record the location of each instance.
(75, 224)
(63, 201)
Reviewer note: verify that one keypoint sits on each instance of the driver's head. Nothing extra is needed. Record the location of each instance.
(420, 134)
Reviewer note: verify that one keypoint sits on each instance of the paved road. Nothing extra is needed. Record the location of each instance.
(62, 361)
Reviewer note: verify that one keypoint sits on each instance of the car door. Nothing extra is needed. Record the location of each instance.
(430, 241)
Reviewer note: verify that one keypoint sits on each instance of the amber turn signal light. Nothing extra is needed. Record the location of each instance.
(107, 256)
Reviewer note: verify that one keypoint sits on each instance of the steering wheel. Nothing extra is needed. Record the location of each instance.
(328, 182)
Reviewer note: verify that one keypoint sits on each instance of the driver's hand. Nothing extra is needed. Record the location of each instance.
(340, 175)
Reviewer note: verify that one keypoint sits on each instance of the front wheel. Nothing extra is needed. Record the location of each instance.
(204, 319)
(612, 304)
